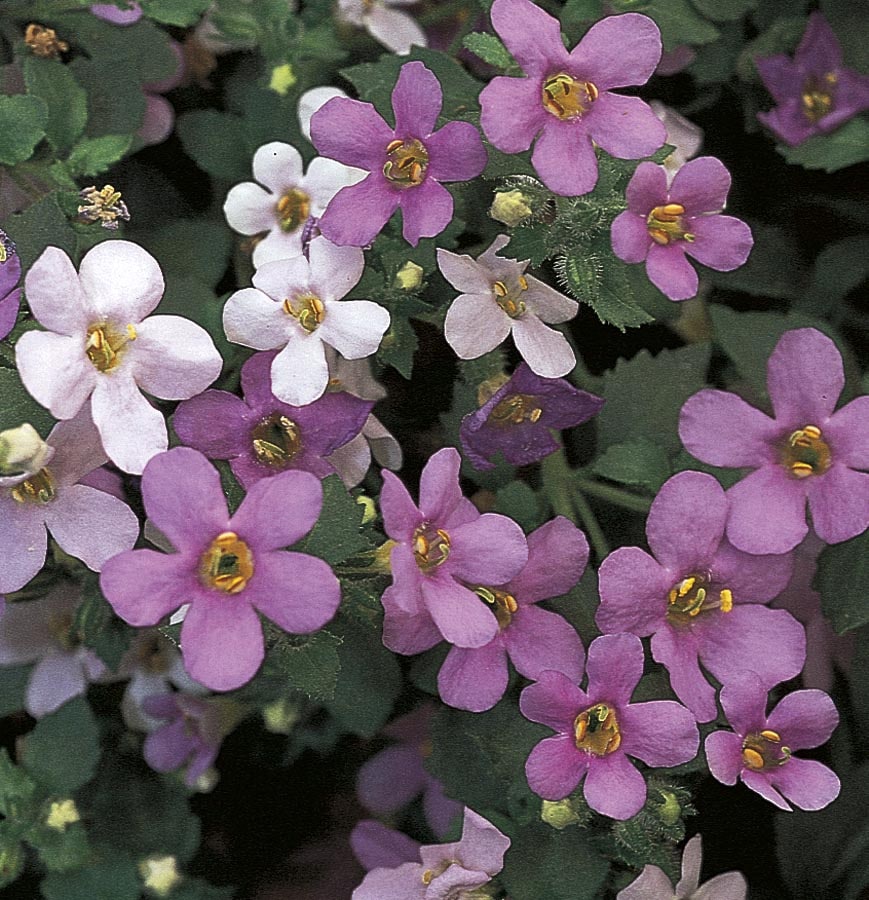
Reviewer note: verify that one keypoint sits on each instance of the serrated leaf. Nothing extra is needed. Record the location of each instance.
(845, 147)
(64, 97)
(93, 156)
(309, 664)
(530, 242)
(175, 12)
(842, 580)
(39, 226)
(639, 462)
(22, 127)
(338, 533)
(489, 49)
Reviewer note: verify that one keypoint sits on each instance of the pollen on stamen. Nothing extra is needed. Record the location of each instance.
(566, 97)
(310, 311)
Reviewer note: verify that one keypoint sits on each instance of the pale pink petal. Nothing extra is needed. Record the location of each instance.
(548, 304)
(334, 270)
(354, 327)
(311, 101)
(652, 884)
(281, 278)
(56, 371)
(55, 679)
(253, 319)
(79, 450)
(324, 178)
(277, 245)
(546, 350)
(351, 461)
(463, 273)
(54, 293)
(121, 281)
(278, 166)
(249, 209)
(394, 29)
(475, 324)
(299, 372)
(22, 542)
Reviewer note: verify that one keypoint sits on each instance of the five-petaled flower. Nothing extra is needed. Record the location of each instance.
(663, 224)
(566, 100)
(407, 163)
(809, 451)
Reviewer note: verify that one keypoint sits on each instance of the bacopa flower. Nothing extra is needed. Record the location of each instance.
(226, 569)
(518, 419)
(814, 91)
(159, 117)
(653, 883)
(441, 546)
(444, 870)
(385, 22)
(808, 451)
(566, 100)
(407, 163)
(284, 200)
(295, 304)
(259, 435)
(663, 224)
(101, 347)
(86, 522)
(534, 639)
(111, 13)
(760, 749)
(498, 299)
(10, 293)
(311, 101)
(598, 729)
(377, 846)
(700, 598)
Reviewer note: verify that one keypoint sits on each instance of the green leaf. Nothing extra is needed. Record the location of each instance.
(98, 627)
(22, 127)
(63, 749)
(310, 664)
(65, 98)
(581, 11)
(725, 10)
(639, 462)
(840, 268)
(842, 580)
(175, 12)
(39, 226)
(113, 877)
(765, 275)
(562, 863)
(680, 23)
(93, 156)
(518, 501)
(17, 790)
(846, 146)
(489, 49)
(645, 394)
(115, 106)
(338, 533)
(13, 684)
(530, 242)
(18, 407)
(12, 854)
(399, 345)
(60, 851)
(216, 142)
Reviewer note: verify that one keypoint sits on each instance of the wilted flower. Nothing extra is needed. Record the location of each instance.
(104, 206)
(44, 42)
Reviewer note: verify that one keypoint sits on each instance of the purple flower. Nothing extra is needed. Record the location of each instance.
(100, 347)
(759, 751)
(535, 639)
(807, 452)
(159, 117)
(41, 631)
(653, 884)
(815, 93)
(445, 870)
(518, 417)
(498, 299)
(441, 546)
(663, 224)
(192, 733)
(394, 776)
(111, 13)
(700, 598)
(377, 846)
(10, 293)
(599, 728)
(565, 102)
(87, 523)
(407, 163)
(259, 435)
(227, 569)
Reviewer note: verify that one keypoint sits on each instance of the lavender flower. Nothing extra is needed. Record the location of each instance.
(700, 598)
(664, 223)
(407, 163)
(261, 436)
(101, 347)
(10, 293)
(814, 91)
(760, 749)
(385, 22)
(377, 846)
(534, 639)
(159, 117)
(807, 452)
(441, 546)
(653, 884)
(565, 100)
(599, 728)
(517, 418)
(311, 101)
(111, 13)
(227, 569)
(445, 870)
(498, 299)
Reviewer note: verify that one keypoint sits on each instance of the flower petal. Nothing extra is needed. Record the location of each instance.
(407, 633)
(512, 112)
(760, 783)
(651, 883)
(55, 370)
(848, 433)
(554, 701)
(767, 511)
(475, 679)
(299, 372)
(22, 542)
(804, 718)
(417, 99)
(677, 651)
(395, 29)
(426, 210)
(195, 422)
(839, 503)
(334, 270)
(538, 640)
(121, 282)
(278, 166)
(474, 325)
(249, 209)
(660, 733)
(357, 214)
(555, 767)
(720, 242)
(490, 550)
(463, 273)
(564, 158)
(548, 304)
(646, 189)
(724, 756)
(671, 273)
(351, 132)
(390, 779)
(618, 51)
(633, 591)
(701, 186)
(807, 783)
(460, 615)
(532, 36)
(614, 667)
(546, 350)
(55, 679)
(456, 152)
(614, 787)
(630, 239)
(625, 127)
(278, 511)
(354, 327)
(253, 319)
(54, 293)
(557, 556)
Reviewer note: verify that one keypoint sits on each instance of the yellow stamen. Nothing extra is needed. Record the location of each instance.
(515, 409)
(806, 453)
(664, 224)
(596, 730)
(726, 600)
(503, 605)
(509, 300)
(39, 488)
(293, 209)
(567, 98)
(752, 758)
(227, 564)
(696, 594)
(818, 96)
(276, 440)
(44, 42)
(310, 311)
(431, 547)
(105, 344)
(406, 163)
(770, 735)
(764, 750)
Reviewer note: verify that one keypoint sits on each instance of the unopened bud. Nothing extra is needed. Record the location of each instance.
(283, 78)
(510, 207)
(280, 716)
(160, 874)
(62, 813)
(22, 450)
(382, 558)
(558, 813)
(409, 276)
(369, 507)
(670, 811)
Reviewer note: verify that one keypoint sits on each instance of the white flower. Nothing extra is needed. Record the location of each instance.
(296, 305)
(288, 200)
(391, 27)
(498, 298)
(101, 347)
(311, 101)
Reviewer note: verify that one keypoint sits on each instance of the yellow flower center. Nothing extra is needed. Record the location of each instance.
(308, 309)
(818, 96)
(39, 488)
(503, 605)
(105, 345)
(431, 547)
(406, 163)
(567, 98)
(664, 224)
(597, 731)
(227, 564)
(694, 595)
(764, 750)
(516, 409)
(276, 440)
(44, 42)
(293, 209)
(508, 296)
(806, 453)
